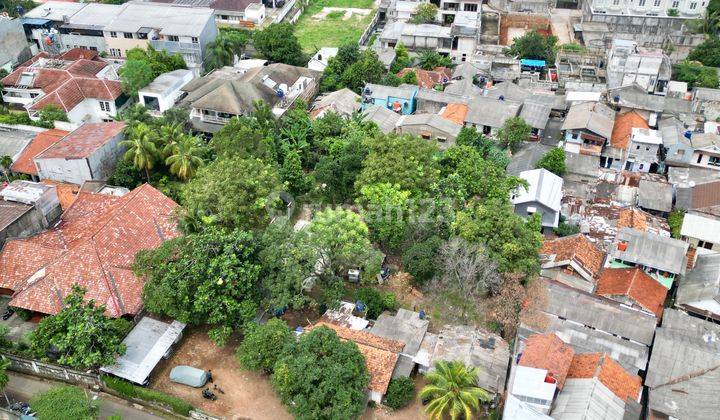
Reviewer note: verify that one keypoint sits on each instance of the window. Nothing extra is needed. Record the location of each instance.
(115, 52)
(637, 147)
(700, 156)
(656, 3)
(105, 106)
(675, 4)
(693, 5)
(705, 244)
(113, 34)
(714, 161)
(173, 38)
(471, 7)
(616, 2)
(641, 3)
(128, 35)
(194, 40)
(93, 48)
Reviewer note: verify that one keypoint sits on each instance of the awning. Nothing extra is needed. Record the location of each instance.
(34, 21)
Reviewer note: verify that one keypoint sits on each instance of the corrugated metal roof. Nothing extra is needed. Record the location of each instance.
(651, 250)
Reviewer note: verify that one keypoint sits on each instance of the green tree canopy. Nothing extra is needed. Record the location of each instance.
(80, 334)
(400, 392)
(385, 208)
(337, 171)
(278, 43)
(419, 259)
(513, 133)
(352, 69)
(135, 75)
(402, 59)
(322, 377)
(234, 192)
(488, 149)
(424, 13)
(341, 239)
(534, 46)
(696, 75)
(476, 176)
(4, 378)
(244, 137)
(64, 402)
(553, 161)
(264, 344)
(406, 161)
(510, 241)
(210, 277)
(160, 60)
(452, 390)
(51, 113)
(185, 157)
(708, 53)
(141, 148)
(222, 51)
(428, 60)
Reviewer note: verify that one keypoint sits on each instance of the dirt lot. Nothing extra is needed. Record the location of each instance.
(247, 394)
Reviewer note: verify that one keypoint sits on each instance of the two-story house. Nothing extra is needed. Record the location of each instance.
(588, 126)
(169, 27)
(706, 150)
(401, 99)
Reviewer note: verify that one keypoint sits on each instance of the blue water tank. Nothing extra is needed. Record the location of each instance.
(360, 306)
(422, 314)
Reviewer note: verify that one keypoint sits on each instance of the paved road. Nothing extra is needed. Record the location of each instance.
(22, 387)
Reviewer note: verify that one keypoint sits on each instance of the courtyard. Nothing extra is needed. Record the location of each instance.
(332, 23)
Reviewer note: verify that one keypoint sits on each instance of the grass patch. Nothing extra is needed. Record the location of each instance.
(129, 390)
(332, 31)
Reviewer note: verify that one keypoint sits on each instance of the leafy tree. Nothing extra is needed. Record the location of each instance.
(566, 229)
(160, 61)
(168, 138)
(466, 276)
(209, 277)
(243, 137)
(352, 69)
(424, 13)
(708, 53)
(341, 240)
(6, 162)
(135, 75)
(338, 170)
(513, 133)
(322, 377)
(419, 259)
(264, 344)
(80, 335)
(222, 51)
(402, 59)
(452, 390)
(696, 75)
(51, 113)
(391, 79)
(410, 78)
(475, 176)
(509, 240)
(375, 301)
(406, 161)
(64, 402)
(675, 220)
(126, 175)
(234, 192)
(141, 149)
(534, 46)
(287, 259)
(400, 392)
(185, 157)
(278, 43)
(385, 210)
(292, 174)
(428, 60)
(176, 116)
(488, 149)
(553, 161)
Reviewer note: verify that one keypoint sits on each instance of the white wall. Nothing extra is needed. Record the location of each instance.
(75, 171)
(89, 111)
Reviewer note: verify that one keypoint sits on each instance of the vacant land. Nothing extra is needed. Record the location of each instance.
(332, 23)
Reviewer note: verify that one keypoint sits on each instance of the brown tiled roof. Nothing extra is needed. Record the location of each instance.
(632, 218)
(549, 352)
(79, 53)
(83, 141)
(608, 371)
(381, 354)
(66, 192)
(635, 284)
(24, 163)
(576, 248)
(455, 113)
(94, 245)
(428, 78)
(622, 130)
(706, 195)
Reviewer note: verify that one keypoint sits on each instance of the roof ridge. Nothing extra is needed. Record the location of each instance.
(111, 290)
(688, 376)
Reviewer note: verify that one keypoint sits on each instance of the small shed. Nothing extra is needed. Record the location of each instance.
(148, 342)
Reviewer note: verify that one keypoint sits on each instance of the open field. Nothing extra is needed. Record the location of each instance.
(331, 23)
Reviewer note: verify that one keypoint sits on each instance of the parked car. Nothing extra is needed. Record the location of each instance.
(190, 376)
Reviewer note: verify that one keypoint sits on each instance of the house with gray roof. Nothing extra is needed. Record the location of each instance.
(542, 196)
(343, 102)
(526, 157)
(385, 119)
(699, 290)
(488, 115)
(661, 257)
(407, 327)
(229, 92)
(678, 149)
(431, 127)
(537, 115)
(588, 126)
(683, 376)
(655, 196)
(706, 101)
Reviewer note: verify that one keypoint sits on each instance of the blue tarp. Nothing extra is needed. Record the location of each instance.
(34, 21)
(532, 63)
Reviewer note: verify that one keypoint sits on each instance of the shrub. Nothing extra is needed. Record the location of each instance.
(375, 301)
(400, 392)
(263, 345)
(553, 161)
(419, 259)
(129, 390)
(675, 220)
(566, 229)
(64, 402)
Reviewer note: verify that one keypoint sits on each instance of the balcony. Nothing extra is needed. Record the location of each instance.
(176, 47)
(210, 117)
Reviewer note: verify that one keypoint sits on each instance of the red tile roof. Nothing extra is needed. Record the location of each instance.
(455, 113)
(635, 284)
(66, 192)
(381, 354)
(24, 163)
(609, 372)
(66, 86)
(622, 130)
(632, 218)
(576, 248)
(549, 352)
(94, 246)
(428, 78)
(82, 142)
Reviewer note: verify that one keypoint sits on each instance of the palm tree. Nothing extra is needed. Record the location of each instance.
(452, 390)
(141, 149)
(6, 162)
(185, 159)
(220, 52)
(169, 137)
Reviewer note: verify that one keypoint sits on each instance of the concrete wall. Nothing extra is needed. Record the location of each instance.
(548, 216)
(13, 45)
(83, 41)
(89, 111)
(30, 223)
(102, 162)
(420, 129)
(704, 160)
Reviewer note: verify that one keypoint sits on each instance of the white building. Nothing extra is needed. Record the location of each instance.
(319, 61)
(643, 149)
(163, 92)
(690, 9)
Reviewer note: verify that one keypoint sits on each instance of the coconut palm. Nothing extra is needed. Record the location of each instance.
(141, 149)
(452, 390)
(169, 137)
(222, 51)
(185, 158)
